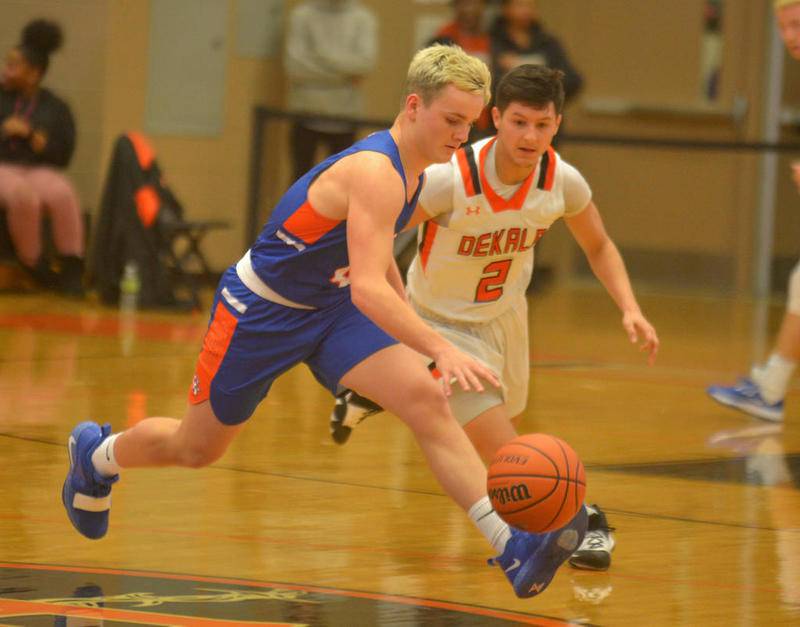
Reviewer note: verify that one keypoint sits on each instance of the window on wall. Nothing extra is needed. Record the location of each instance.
(186, 78)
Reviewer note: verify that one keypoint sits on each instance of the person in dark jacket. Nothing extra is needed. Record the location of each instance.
(518, 37)
(37, 139)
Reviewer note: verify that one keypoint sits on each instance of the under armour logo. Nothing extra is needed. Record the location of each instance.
(473, 210)
(195, 385)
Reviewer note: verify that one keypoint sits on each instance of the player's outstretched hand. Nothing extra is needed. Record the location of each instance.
(640, 331)
(455, 365)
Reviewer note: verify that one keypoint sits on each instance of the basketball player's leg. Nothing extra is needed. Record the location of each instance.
(352, 407)
(199, 439)
(489, 419)
(419, 401)
(490, 426)
(233, 374)
(490, 430)
(365, 365)
(774, 375)
(761, 394)
(97, 456)
(355, 353)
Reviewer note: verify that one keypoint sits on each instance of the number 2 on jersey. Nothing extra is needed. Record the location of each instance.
(490, 287)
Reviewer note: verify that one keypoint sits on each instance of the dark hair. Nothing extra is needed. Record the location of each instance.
(40, 39)
(533, 85)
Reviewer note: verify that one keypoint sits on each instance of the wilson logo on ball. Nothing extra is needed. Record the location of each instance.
(536, 482)
(519, 460)
(511, 494)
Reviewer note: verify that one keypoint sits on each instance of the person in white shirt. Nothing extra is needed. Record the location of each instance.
(485, 210)
(331, 46)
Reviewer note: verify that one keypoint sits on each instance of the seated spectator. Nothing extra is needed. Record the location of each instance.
(518, 37)
(37, 138)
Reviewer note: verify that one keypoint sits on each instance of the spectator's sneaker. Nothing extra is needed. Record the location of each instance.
(531, 560)
(349, 411)
(594, 552)
(86, 494)
(745, 396)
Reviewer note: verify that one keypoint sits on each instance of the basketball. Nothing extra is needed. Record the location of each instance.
(536, 482)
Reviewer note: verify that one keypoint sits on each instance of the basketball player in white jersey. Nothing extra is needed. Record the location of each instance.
(485, 210)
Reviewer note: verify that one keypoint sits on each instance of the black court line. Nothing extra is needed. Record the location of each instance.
(555, 365)
(14, 436)
(598, 467)
(698, 521)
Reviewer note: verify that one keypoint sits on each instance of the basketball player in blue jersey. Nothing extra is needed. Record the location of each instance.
(320, 286)
(486, 209)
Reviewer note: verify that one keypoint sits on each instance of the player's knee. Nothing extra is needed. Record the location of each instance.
(427, 407)
(793, 299)
(199, 455)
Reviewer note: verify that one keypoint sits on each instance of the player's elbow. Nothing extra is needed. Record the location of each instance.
(598, 248)
(362, 294)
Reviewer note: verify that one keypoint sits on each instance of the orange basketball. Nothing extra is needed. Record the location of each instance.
(536, 482)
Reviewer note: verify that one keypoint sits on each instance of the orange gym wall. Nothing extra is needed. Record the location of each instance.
(670, 211)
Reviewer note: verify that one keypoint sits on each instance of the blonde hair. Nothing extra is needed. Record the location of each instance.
(779, 4)
(435, 67)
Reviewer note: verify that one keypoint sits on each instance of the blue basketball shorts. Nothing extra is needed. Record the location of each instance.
(250, 341)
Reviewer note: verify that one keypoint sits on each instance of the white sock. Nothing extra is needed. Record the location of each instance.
(773, 377)
(490, 524)
(103, 459)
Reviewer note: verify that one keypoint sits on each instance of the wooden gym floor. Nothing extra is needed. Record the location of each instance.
(290, 529)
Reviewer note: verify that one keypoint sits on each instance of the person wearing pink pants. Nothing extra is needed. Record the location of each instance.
(37, 138)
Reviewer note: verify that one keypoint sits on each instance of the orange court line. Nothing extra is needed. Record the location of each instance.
(13, 607)
(526, 619)
(106, 326)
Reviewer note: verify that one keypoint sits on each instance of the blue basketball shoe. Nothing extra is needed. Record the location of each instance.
(87, 494)
(746, 396)
(531, 560)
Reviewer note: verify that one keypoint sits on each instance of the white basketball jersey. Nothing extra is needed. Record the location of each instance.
(476, 261)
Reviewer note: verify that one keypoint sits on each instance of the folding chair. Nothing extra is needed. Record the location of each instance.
(141, 220)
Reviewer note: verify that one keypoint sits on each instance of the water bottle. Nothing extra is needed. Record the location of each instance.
(129, 286)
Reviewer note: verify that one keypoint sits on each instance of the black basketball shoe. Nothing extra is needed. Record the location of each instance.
(349, 411)
(594, 553)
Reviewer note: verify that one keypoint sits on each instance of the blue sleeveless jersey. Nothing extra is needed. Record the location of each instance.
(301, 254)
